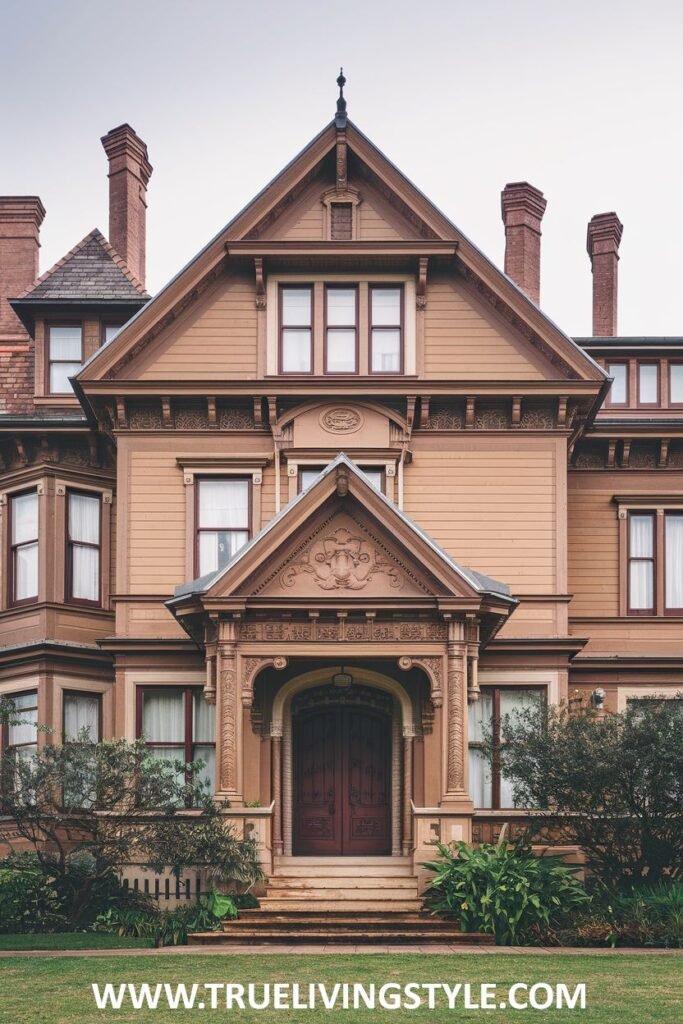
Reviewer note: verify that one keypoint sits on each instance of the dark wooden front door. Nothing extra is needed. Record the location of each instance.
(342, 781)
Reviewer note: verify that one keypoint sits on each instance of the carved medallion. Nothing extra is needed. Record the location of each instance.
(341, 420)
(342, 561)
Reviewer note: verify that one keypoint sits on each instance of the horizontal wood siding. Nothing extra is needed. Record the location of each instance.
(593, 546)
(462, 337)
(155, 523)
(491, 507)
(217, 339)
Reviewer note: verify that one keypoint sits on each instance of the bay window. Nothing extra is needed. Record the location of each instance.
(21, 735)
(177, 724)
(341, 329)
(296, 329)
(64, 356)
(81, 716)
(83, 541)
(489, 786)
(23, 551)
(223, 521)
(386, 329)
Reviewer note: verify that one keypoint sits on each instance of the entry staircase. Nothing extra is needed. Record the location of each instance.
(355, 900)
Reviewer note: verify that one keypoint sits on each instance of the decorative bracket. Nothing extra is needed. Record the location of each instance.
(422, 283)
(260, 283)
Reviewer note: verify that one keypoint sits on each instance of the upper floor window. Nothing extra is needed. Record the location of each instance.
(386, 329)
(341, 221)
(83, 543)
(655, 563)
(676, 383)
(341, 329)
(296, 329)
(110, 331)
(64, 356)
(648, 383)
(223, 518)
(307, 474)
(619, 391)
(23, 553)
(178, 725)
(489, 786)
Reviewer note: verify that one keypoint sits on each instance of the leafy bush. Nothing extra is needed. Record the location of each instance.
(246, 901)
(29, 901)
(170, 927)
(501, 889)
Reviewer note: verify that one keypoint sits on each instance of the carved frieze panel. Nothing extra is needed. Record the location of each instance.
(360, 632)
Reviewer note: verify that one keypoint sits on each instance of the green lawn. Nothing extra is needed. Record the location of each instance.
(621, 988)
(72, 940)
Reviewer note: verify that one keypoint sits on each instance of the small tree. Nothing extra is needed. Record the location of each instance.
(110, 804)
(612, 783)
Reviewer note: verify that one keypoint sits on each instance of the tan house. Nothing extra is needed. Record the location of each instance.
(333, 498)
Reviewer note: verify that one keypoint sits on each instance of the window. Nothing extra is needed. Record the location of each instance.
(110, 331)
(177, 724)
(386, 329)
(341, 221)
(83, 532)
(648, 383)
(82, 716)
(296, 329)
(307, 474)
(676, 383)
(65, 356)
(23, 559)
(673, 556)
(21, 739)
(488, 785)
(641, 563)
(341, 329)
(619, 391)
(223, 518)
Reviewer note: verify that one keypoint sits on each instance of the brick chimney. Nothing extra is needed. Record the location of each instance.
(522, 208)
(602, 243)
(20, 220)
(129, 173)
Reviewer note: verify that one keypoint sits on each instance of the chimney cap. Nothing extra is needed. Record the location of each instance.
(522, 196)
(603, 234)
(125, 141)
(22, 208)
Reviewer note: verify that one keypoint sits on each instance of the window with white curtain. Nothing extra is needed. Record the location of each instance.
(21, 735)
(177, 724)
(23, 509)
(223, 521)
(82, 717)
(296, 329)
(65, 357)
(673, 553)
(641, 562)
(489, 788)
(83, 546)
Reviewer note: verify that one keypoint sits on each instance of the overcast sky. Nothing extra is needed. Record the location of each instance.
(581, 98)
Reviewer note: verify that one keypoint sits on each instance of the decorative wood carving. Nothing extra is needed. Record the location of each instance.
(228, 680)
(341, 420)
(421, 297)
(258, 413)
(470, 407)
(516, 411)
(350, 632)
(611, 449)
(211, 411)
(341, 178)
(250, 668)
(260, 283)
(166, 411)
(663, 459)
(625, 453)
(410, 410)
(455, 757)
(562, 411)
(342, 561)
(424, 412)
(433, 668)
(121, 418)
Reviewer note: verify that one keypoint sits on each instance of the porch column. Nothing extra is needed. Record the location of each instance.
(287, 786)
(276, 758)
(455, 706)
(408, 737)
(230, 716)
(396, 782)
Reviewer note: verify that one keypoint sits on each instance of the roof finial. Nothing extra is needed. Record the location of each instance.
(340, 119)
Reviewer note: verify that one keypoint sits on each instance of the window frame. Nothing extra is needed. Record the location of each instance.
(68, 550)
(103, 329)
(673, 363)
(48, 356)
(215, 478)
(91, 695)
(400, 286)
(340, 286)
(495, 718)
(188, 691)
(626, 364)
(6, 746)
(652, 515)
(640, 404)
(304, 286)
(304, 468)
(668, 513)
(12, 600)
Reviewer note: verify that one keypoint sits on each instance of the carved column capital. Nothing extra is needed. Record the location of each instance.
(432, 666)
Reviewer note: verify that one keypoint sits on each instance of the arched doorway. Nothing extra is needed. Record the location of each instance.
(341, 745)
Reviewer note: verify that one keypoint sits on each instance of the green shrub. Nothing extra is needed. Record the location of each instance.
(246, 901)
(170, 927)
(503, 889)
(29, 901)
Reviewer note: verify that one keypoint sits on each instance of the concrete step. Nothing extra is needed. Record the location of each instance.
(341, 862)
(346, 882)
(342, 871)
(355, 894)
(338, 923)
(392, 936)
(331, 904)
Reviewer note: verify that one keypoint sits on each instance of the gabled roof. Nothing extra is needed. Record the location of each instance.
(572, 362)
(91, 271)
(422, 547)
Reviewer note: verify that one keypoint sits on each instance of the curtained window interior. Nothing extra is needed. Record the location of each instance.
(65, 356)
(341, 332)
(673, 548)
(386, 329)
(83, 547)
(82, 717)
(641, 562)
(24, 546)
(489, 787)
(222, 521)
(296, 329)
(177, 724)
